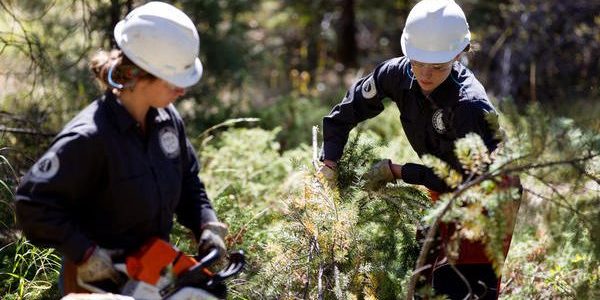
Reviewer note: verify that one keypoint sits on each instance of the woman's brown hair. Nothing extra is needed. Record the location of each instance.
(124, 72)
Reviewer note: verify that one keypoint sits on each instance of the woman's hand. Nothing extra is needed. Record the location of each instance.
(212, 236)
(328, 172)
(97, 266)
(381, 173)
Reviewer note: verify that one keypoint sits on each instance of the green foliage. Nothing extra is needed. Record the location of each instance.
(31, 272)
(558, 164)
(27, 272)
(294, 114)
(347, 242)
(472, 154)
(358, 157)
(304, 239)
(485, 204)
(222, 26)
(244, 163)
(7, 179)
(443, 170)
(278, 61)
(246, 176)
(539, 269)
(392, 215)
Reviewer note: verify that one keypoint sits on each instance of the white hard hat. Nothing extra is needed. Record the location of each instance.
(435, 31)
(163, 41)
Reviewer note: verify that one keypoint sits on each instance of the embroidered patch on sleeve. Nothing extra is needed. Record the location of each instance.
(46, 167)
(368, 88)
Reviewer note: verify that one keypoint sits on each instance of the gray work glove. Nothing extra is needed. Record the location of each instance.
(98, 266)
(328, 175)
(212, 236)
(379, 175)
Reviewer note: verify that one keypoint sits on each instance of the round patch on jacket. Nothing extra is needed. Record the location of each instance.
(169, 142)
(368, 88)
(46, 167)
(437, 120)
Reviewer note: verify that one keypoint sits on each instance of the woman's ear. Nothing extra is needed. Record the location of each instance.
(132, 72)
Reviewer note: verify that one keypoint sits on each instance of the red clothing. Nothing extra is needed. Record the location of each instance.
(473, 252)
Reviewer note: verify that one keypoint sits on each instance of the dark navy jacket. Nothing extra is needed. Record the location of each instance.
(457, 107)
(104, 182)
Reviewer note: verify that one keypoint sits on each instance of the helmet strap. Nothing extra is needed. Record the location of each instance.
(115, 84)
(412, 76)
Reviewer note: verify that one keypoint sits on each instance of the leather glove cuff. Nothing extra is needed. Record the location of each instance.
(383, 171)
(98, 266)
(380, 174)
(217, 227)
(388, 171)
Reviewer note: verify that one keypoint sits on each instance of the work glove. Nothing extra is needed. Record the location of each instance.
(328, 175)
(212, 236)
(98, 266)
(379, 175)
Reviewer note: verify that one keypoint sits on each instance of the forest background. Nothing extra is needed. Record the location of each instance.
(273, 69)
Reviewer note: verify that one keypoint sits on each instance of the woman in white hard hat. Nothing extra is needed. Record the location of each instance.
(440, 101)
(117, 173)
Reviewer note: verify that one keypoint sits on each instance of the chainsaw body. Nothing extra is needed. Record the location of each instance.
(159, 271)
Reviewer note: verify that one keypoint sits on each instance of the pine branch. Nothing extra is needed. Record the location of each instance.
(205, 136)
(464, 280)
(586, 173)
(25, 131)
(30, 41)
(312, 244)
(429, 239)
(320, 281)
(558, 203)
(522, 168)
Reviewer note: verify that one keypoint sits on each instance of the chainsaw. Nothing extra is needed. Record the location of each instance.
(160, 271)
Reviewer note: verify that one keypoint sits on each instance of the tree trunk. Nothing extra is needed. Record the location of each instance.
(347, 50)
(115, 17)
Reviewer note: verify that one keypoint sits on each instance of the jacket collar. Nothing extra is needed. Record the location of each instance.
(124, 121)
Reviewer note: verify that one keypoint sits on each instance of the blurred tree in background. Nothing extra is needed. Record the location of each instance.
(287, 62)
(543, 51)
